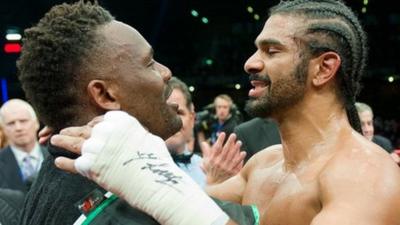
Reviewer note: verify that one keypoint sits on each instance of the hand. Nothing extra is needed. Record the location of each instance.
(126, 159)
(45, 134)
(221, 162)
(72, 139)
(395, 156)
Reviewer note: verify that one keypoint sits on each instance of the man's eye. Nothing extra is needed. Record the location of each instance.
(151, 64)
(272, 51)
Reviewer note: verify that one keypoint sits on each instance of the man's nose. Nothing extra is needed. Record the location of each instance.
(254, 64)
(18, 125)
(165, 72)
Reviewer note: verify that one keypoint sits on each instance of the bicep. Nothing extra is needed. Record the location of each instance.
(368, 196)
(342, 214)
(359, 208)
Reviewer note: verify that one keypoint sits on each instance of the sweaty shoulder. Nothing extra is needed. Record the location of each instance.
(358, 175)
(363, 156)
(264, 158)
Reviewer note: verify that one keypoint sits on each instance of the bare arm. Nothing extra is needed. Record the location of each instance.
(368, 193)
(234, 188)
(230, 190)
(231, 222)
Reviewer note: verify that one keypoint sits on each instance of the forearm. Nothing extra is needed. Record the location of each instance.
(231, 222)
(230, 190)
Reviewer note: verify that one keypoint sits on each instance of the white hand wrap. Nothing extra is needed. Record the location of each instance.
(127, 160)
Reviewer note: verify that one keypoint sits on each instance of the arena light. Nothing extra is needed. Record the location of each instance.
(13, 33)
(194, 13)
(391, 79)
(256, 17)
(364, 9)
(250, 9)
(365, 2)
(209, 62)
(12, 48)
(191, 88)
(13, 37)
(237, 86)
(204, 20)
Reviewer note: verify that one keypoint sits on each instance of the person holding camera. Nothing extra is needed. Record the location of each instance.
(225, 119)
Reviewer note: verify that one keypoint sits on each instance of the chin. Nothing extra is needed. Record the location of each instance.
(257, 108)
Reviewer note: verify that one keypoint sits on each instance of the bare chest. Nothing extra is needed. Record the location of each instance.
(283, 198)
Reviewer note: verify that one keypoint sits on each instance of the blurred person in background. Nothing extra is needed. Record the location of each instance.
(21, 161)
(220, 116)
(178, 143)
(367, 125)
(217, 167)
(3, 138)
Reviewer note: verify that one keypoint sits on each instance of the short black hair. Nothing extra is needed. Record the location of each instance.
(55, 53)
(333, 26)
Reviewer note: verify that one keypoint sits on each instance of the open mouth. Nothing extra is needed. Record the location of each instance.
(259, 88)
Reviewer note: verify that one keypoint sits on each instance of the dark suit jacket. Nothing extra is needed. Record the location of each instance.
(10, 173)
(11, 202)
(383, 142)
(257, 134)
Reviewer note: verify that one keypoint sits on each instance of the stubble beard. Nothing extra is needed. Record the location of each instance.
(280, 95)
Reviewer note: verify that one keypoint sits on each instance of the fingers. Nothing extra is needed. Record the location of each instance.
(71, 139)
(44, 134)
(65, 164)
(217, 146)
(83, 131)
(238, 162)
(234, 158)
(72, 144)
(205, 149)
(96, 120)
(231, 148)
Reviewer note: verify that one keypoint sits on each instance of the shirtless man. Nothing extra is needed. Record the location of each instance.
(305, 72)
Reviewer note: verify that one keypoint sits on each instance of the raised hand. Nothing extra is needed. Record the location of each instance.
(220, 161)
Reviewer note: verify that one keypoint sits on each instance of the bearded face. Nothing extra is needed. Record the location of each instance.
(279, 93)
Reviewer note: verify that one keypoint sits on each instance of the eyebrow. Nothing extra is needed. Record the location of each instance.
(151, 52)
(149, 56)
(267, 42)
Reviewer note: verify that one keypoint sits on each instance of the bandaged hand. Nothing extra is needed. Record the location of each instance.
(124, 158)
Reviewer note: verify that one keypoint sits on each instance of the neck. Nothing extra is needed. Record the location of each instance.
(225, 119)
(28, 148)
(177, 150)
(312, 129)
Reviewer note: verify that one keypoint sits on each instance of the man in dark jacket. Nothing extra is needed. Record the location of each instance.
(367, 124)
(78, 62)
(257, 134)
(20, 162)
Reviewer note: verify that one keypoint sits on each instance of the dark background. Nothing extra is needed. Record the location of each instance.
(183, 42)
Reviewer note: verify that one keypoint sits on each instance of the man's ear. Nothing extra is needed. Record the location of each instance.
(103, 95)
(327, 66)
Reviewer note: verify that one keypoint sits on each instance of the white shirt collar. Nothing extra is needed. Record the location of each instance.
(36, 153)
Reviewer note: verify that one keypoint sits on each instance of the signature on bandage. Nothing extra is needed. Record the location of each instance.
(141, 155)
(167, 177)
